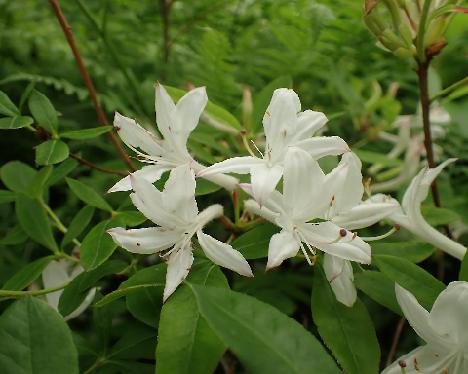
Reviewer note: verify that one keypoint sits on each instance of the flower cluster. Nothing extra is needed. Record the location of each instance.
(315, 210)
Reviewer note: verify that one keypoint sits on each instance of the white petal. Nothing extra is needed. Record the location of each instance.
(165, 113)
(253, 207)
(178, 267)
(303, 182)
(150, 173)
(149, 201)
(308, 123)
(135, 136)
(238, 165)
(55, 274)
(417, 316)
(280, 117)
(431, 360)
(339, 273)
(365, 214)
(320, 146)
(179, 194)
(227, 182)
(189, 109)
(146, 240)
(264, 180)
(224, 255)
(449, 314)
(326, 236)
(282, 246)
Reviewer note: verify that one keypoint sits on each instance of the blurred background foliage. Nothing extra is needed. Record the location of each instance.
(322, 49)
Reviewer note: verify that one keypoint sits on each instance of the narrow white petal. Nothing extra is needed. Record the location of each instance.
(303, 183)
(365, 214)
(264, 180)
(150, 173)
(253, 207)
(146, 240)
(349, 193)
(282, 246)
(209, 214)
(189, 109)
(178, 196)
(149, 201)
(165, 113)
(238, 165)
(339, 273)
(320, 146)
(55, 274)
(327, 237)
(280, 118)
(225, 181)
(417, 316)
(449, 314)
(224, 255)
(178, 267)
(135, 136)
(308, 123)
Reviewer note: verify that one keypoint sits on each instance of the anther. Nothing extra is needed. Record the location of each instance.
(343, 233)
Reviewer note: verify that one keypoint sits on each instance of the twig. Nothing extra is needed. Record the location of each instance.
(87, 80)
(97, 167)
(165, 8)
(14, 294)
(396, 339)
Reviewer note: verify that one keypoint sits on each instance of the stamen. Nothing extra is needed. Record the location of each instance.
(246, 143)
(402, 364)
(258, 150)
(380, 237)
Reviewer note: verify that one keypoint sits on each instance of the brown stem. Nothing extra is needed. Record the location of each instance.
(396, 339)
(424, 97)
(97, 167)
(67, 30)
(165, 8)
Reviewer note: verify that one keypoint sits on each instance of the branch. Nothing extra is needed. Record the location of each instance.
(87, 80)
(97, 167)
(396, 338)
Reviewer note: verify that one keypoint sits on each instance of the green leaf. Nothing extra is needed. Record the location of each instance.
(74, 294)
(17, 176)
(85, 134)
(378, 287)
(463, 274)
(213, 113)
(414, 251)
(36, 189)
(205, 187)
(348, 332)
(61, 171)
(27, 274)
(130, 218)
(7, 107)
(51, 152)
(35, 339)
(254, 243)
(262, 99)
(43, 111)
(137, 341)
(186, 344)
(87, 194)
(97, 246)
(439, 216)
(14, 236)
(78, 224)
(372, 158)
(16, 122)
(6, 197)
(34, 221)
(416, 280)
(264, 339)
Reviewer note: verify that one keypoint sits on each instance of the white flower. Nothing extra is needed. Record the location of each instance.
(410, 217)
(58, 273)
(284, 125)
(175, 211)
(444, 330)
(309, 194)
(175, 123)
